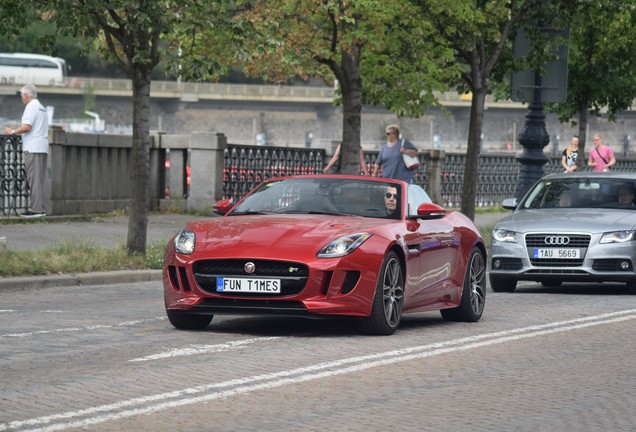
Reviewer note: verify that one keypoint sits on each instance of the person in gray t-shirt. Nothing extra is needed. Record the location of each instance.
(390, 156)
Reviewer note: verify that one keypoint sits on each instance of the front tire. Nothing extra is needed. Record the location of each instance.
(184, 321)
(388, 301)
(473, 300)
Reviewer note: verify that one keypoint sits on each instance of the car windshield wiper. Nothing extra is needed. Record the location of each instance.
(250, 212)
(318, 212)
(332, 213)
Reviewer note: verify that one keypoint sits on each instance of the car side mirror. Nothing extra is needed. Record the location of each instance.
(222, 207)
(430, 211)
(510, 203)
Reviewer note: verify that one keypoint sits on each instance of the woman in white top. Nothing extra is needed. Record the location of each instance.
(570, 155)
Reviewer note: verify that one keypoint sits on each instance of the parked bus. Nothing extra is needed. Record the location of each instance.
(19, 68)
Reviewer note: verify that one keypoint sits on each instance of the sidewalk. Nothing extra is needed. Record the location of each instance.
(107, 232)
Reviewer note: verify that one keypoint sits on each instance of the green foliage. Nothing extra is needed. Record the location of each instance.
(476, 39)
(398, 64)
(601, 73)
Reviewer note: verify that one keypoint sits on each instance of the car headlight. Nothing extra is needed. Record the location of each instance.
(184, 242)
(343, 245)
(618, 237)
(504, 236)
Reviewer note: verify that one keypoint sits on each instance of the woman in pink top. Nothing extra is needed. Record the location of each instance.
(601, 156)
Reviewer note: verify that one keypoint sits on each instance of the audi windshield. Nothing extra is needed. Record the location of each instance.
(581, 193)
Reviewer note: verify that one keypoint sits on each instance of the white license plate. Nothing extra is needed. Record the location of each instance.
(541, 253)
(248, 285)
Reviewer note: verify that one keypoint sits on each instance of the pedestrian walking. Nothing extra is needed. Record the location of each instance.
(601, 156)
(390, 156)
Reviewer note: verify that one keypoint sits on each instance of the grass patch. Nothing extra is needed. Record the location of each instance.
(71, 257)
(486, 233)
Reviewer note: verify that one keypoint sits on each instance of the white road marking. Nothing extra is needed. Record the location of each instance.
(202, 349)
(158, 402)
(39, 312)
(79, 329)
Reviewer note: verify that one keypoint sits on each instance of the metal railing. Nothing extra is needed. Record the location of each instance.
(247, 166)
(104, 172)
(14, 189)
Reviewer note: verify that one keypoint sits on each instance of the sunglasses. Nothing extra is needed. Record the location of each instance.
(390, 195)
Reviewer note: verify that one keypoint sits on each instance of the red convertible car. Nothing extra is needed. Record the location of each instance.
(327, 245)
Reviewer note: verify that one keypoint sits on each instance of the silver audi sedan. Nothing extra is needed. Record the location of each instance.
(577, 227)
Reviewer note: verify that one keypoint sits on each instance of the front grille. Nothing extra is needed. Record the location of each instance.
(293, 275)
(578, 241)
(556, 262)
(564, 272)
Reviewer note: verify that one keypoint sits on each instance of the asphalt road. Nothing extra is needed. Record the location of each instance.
(105, 358)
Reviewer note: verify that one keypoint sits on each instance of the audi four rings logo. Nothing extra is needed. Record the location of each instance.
(249, 267)
(556, 240)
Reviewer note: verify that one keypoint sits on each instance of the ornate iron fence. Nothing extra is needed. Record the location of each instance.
(14, 189)
(247, 166)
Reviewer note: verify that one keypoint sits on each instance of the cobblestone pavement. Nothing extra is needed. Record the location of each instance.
(105, 358)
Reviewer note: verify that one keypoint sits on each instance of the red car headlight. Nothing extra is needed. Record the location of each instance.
(343, 245)
(184, 242)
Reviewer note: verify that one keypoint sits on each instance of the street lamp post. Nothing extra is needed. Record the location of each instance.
(533, 138)
(530, 86)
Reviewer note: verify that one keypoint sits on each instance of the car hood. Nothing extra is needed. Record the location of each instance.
(278, 234)
(569, 220)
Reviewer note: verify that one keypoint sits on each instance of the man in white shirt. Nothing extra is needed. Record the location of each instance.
(35, 146)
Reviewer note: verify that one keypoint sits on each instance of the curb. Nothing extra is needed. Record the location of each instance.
(65, 280)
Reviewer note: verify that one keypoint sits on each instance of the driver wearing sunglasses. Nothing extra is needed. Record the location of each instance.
(390, 199)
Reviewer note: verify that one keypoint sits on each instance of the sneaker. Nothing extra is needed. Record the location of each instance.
(30, 215)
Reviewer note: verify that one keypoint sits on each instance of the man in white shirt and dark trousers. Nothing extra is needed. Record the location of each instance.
(35, 146)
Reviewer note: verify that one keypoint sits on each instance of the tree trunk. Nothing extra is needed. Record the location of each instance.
(471, 170)
(140, 169)
(582, 160)
(351, 87)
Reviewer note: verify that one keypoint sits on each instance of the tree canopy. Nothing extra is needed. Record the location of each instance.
(136, 35)
(375, 51)
(601, 65)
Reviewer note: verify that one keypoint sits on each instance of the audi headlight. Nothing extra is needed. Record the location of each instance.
(343, 245)
(504, 236)
(184, 242)
(618, 237)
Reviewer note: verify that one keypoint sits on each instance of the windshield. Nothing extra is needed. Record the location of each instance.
(325, 196)
(582, 193)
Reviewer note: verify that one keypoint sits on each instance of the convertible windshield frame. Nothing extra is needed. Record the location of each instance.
(324, 195)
